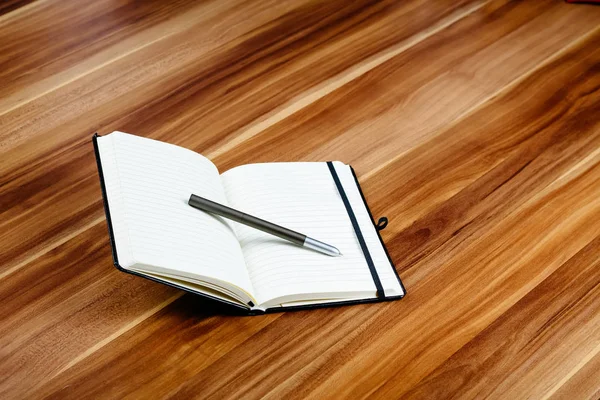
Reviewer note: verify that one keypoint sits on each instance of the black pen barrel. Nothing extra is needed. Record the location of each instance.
(246, 219)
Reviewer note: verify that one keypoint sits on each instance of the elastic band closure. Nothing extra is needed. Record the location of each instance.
(381, 224)
(361, 239)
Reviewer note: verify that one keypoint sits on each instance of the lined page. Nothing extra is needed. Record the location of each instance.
(148, 185)
(304, 198)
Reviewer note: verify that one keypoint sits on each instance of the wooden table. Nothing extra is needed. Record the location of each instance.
(474, 126)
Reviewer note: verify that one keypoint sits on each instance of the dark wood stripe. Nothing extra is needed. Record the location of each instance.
(11, 5)
(58, 34)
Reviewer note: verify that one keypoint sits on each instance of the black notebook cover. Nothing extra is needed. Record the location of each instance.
(237, 307)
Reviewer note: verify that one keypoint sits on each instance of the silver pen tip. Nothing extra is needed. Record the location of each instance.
(322, 247)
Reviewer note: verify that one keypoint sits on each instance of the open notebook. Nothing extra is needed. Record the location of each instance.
(154, 232)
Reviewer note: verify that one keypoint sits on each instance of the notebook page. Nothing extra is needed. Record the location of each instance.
(148, 184)
(304, 198)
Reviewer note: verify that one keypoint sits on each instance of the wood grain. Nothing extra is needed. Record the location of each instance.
(474, 126)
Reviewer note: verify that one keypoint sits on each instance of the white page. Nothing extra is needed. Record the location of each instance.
(303, 197)
(148, 184)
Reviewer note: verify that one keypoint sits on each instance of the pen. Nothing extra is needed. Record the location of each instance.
(262, 225)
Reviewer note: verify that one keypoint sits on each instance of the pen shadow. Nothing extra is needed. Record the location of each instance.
(269, 240)
(274, 240)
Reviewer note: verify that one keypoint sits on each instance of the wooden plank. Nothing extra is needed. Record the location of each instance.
(581, 382)
(462, 173)
(125, 75)
(394, 98)
(61, 305)
(171, 66)
(549, 331)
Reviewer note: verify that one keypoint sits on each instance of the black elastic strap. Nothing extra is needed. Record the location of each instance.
(381, 224)
(361, 239)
